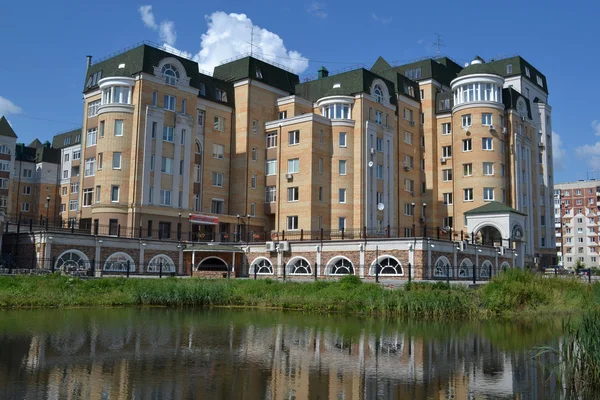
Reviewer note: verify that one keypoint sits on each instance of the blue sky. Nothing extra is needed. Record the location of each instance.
(42, 67)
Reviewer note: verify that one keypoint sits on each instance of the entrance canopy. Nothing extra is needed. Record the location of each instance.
(506, 220)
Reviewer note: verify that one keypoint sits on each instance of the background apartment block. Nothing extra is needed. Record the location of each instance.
(576, 216)
(167, 149)
(8, 140)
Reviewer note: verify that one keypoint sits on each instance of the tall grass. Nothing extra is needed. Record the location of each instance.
(577, 356)
(514, 292)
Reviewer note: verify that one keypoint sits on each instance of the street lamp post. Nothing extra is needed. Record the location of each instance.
(190, 227)
(238, 233)
(47, 209)
(424, 220)
(179, 228)
(413, 213)
(248, 229)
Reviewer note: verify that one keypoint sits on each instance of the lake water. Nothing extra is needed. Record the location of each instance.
(157, 353)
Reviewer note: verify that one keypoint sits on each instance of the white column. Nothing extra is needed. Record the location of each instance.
(48, 253)
(141, 265)
(98, 266)
(279, 262)
(361, 261)
(181, 261)
(318, 258)
(233, 264)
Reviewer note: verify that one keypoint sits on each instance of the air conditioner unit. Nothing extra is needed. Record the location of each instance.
(504, 130)
(412, 123)
(522, 118)
(271, 246)
(501, 250)
(284, 246)
(462, 245)
(289, 176)
(407, 167)
(443, 160)
(421, 219)
(372, 150)
(492, 128)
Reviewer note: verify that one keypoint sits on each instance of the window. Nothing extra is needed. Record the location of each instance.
(5, 182)
(342, 194)
(447, 175)
(446, 129)
(202, 89)
(171, 74)
(408, 209)
(539, 80)
(114, 193)
(488, 168)
(76, 155)
(154, 98)
(254, 153)
(409, 185)
(73, 205)
(543, 220)
(487, 143)
(166, 165)
(320, 136)
(218, 151)
(342, 139)
(168, 135)
(183, 105)
(183, 132)
(27, 190)
(293, 166)
(447, 199)
(488, 194)
(446, 151)
(408, 137)
(152, 162)
(219, 124)
(467, 145)
(217, 179)
(293, 138)
(90, 167)
(98, 193)
(282, 115)
(169, 102)
(255, 127)
(74, 187)
(379, 171)
(320, 193)
(509, 68)
(116, 160)
(100, 159)
(271, 168)
(292, 194)
(422, 94)
(408, 115)
(67, 141)
(378, 117)
(409, 162)
(320, 165)
(341, 223)
(379, 197)
(119, 127)
(65, 174)
(466, 120)
(91, 137)
(253, 181)
(378, 93)
(501, 146)
(486, 119)
(93, 108)
(342, 166)
(270, 194)
(200, 117)
(413, 74)
(271, 139)
(63, 206)
(88, 195)
(502, 170)
(292, 223)
(468, 194)
(221, 95)
(165, 197)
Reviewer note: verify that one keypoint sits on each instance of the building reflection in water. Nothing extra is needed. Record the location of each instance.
(166, 354)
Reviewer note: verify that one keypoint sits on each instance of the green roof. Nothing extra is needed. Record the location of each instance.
(351, 82)
(483, 68)
(6, 129)
(253, 68)
(493, 207)
(144, 58)
(442, 69)
(58, 141)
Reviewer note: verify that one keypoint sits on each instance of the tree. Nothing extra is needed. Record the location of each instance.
(579, 266)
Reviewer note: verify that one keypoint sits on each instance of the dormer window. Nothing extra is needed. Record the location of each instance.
(259, 73)
(378, 93)
(221, 95)
(171, 74)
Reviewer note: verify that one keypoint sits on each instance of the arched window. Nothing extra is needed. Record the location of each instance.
(504, 266)
(441, 267)
(171, 74)
(117, 262)
(340, 266)
(163, 262)
(299, 266)
(213, 264)
(198, 148)
(388, 266)
(378, 93)
(486, 269)
(466, 268)
(72, 259)
(262, 266)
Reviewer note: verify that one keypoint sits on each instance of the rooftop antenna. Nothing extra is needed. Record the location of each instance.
(252, 41)
(438, 43)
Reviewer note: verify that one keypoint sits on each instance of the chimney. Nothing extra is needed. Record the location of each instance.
(323, 73)
(89, 61)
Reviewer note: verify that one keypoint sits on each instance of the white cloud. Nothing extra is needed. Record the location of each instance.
(596, 127)
(317, 9)
(229, 35)
(8, 107)
(147, 16)
(167, 32)
(558, 152)
(384, 21)
(166, 29)
(590, 154)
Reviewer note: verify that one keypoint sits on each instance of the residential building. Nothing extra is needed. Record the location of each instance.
(576, 215)
(8, 140)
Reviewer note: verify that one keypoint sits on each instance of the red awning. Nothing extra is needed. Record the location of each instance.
(204, 219)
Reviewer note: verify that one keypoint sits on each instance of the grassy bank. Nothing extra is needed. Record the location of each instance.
(512, 293)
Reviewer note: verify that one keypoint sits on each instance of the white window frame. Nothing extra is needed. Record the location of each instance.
(112, 193)
(486, 194)
(293, 138)
(217, 179)
(292, 222)
(488, 168)
(271, 167)
(342, 195)
(467, 145)
(466, 120)
(487, 140)
(116, 156)
(92, 137)
(293, 166)
(468, 194)
(342, 165)
(293, 194)
(343, 139)
(218, 151)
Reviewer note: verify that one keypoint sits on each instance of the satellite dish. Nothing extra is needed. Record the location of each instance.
(380, 206)
(370, 163)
